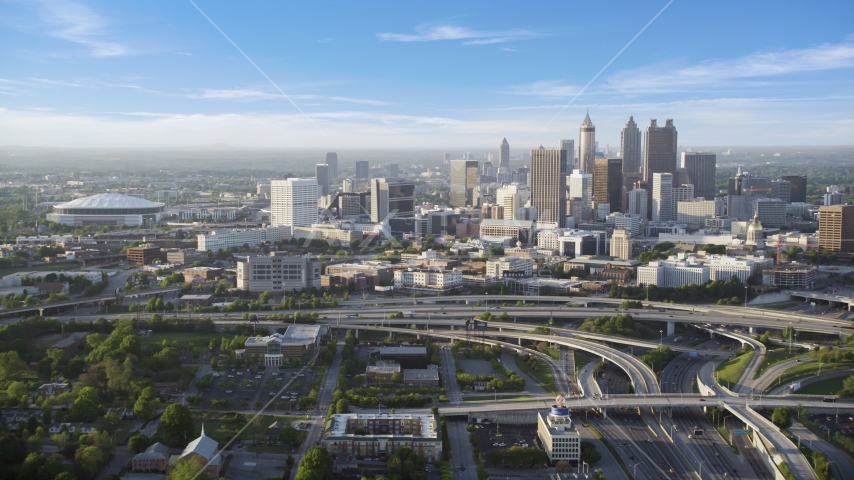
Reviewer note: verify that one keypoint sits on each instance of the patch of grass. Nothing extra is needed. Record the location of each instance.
(823, 387)
(200, 340)
(782, 306)
(554, 353)
(543, 377)
(484, 398)
(223, 426)
(805, 370)
(730, 371)
(773, 357)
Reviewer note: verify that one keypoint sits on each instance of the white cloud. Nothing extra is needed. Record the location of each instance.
(722, 73)
(79, 24)
(431, 33)
(253, 94)
(544, 88)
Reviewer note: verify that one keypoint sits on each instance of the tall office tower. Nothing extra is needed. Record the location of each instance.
(682, 193)
(363, 170)
(630, 145)
(836, 228)
(293, 202)
(463, 183)
(608, 183)
(739, 183)
(701, 172)
(781, 189)
(581, 186)
(548, 185)
(446, 157)
(662, 196)
(637, 203)
(835, 195)
(799, 187)
(587, 145)
(569, 146)
(485, 169)
(621, 244)
(504, 155)
(511, 197)
(393, 170)
(332, 161)
(522, 175)
(659, 149)
(321, 173)
(391, 197)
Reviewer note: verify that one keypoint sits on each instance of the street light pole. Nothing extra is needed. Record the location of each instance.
(661, 339)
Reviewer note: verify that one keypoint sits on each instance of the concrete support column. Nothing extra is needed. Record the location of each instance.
(711, 334)
(357, 334)
(452, 327)
(671, 328)
(418, 336)
(520, 340)
(752, 330)
(41, 312)
(391, 335)
(500, 329)
(604, 412)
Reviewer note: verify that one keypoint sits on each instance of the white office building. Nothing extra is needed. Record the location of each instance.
(433, 280)
(511, 198)
(496, 268)
(662, 197)
(683, 193)
(223, 239)
(674, 272)
(558, 436)
(723, 268)
(771, 212)
(630, 222)
(621, 244)
(277, 273)
(293, 202)
(695, 213)
(581, 186)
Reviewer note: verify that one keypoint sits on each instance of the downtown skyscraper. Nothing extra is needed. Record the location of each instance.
(293, 202)
(569, 146)
(363, 170)
(659, 149)
(321, 174)
(548, 185)
(701, 172)
(332, 161)
(463, 183)
(608, 183)
(630, 146)
(587, 145)
(504, 155)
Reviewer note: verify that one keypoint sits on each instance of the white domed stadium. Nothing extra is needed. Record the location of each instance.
(106, 209)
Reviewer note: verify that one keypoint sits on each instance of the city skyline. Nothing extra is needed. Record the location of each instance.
(93, 74)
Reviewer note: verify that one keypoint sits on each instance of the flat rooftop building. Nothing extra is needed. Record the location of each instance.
(559, 437)
(279, 348)
(391, 352)
(381, 435)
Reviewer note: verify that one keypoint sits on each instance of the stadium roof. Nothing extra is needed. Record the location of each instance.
(109, 201)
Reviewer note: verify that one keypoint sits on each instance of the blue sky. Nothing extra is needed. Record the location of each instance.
(422, 74)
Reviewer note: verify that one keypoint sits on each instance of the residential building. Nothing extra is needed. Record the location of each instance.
(559, 438)
(321, 174)
(700, 168)
(662, 197)
(332, 162)
(369, 435)
(621, 244)
(50, 390)
(363, 170)
(836, 228)
(587, 145)
(781, 189)
(277, 273)
(429, 280)
(608, 183)
(497, 268)
(293, 202)
(283, 348)
(630, 146)
(798, 188)
(674, 272)
(253, 237)
(548, 180)
(391, 197)
(504, 154)
(790, 275)
(154, 459)
(638, 203)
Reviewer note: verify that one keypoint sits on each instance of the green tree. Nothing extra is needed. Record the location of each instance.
(146, 404)
(110, 423)
(138, 443)
(44, 369)
(11, 365)
(177, 424)
(190, 469)
(316, 464)
(404, 463)
(782, 417)
(88, 461)
(397, 378)
(342, 406)
(589, 453)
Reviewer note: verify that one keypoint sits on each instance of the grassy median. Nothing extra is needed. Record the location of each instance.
(730, 371)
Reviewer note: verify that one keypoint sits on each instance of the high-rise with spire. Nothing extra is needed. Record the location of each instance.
(504, 155)
(587, 145)
(630, 146)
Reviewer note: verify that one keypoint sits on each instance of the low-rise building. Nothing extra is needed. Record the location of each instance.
(790, 275)
(431, 280)
(72, 343)
(143, 254)
(422, 377)
(205, 300)
(674, 272)
(381, 435)
(52, 287)
(205, 274)
(184, 256)
(154, 459)
(277, 273)
(498, 267)
(383, 270)
(382, 371)
(225, 239)
(279, 349)
(723, 268)
(557, 434)
(205, 448)
(50, 390)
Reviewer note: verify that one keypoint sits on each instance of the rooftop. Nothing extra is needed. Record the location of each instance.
(427, 423)
(110, 200)
(421, 374)
(406, 351)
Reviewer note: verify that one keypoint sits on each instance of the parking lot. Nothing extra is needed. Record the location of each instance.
(244, 387)
(492, 436)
